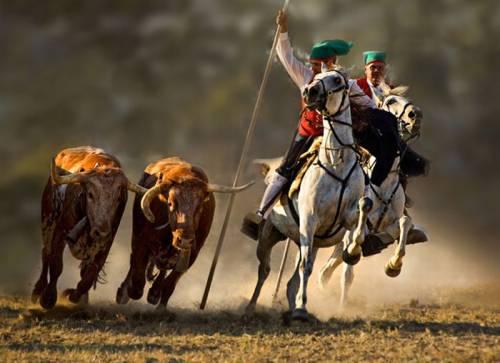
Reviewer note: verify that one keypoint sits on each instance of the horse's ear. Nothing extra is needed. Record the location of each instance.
(399, 90)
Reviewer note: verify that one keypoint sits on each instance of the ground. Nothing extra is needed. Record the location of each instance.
(441, 331)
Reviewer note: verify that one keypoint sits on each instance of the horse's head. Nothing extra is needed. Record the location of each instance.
(327, 92)
(409, 116)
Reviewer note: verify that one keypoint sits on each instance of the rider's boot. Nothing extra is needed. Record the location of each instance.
(252, 221)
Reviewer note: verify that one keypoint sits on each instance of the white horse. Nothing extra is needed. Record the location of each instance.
(328, 202)
(388, 219)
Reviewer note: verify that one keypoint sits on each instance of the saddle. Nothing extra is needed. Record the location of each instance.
(307, 158)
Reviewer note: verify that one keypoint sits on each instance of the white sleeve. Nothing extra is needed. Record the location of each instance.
(358, 97)
(298, 72)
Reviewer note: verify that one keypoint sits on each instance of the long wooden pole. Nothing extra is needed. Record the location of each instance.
(244, 152)
(280, 274)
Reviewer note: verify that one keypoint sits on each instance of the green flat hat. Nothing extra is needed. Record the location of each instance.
(374, 56)
(330, 48)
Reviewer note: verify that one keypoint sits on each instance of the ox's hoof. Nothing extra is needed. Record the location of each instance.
(392, 271)
(34, 298)
(37, 291)
(350, 260)
(72, 295)
(249, 310)
(49, 297)
(154, 296)
(122, 295)
(300, 315)
(135, 294)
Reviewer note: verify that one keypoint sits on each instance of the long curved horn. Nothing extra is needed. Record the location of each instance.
(225, 189)
(64, 179)
(146, 200)
(136, 188)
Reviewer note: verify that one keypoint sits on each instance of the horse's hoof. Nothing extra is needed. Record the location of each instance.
(350, 260)
(153, 296)
(122, 296)
(72, 295)
(48, 297)
(391, 271)
(366, 204)
(300, 315)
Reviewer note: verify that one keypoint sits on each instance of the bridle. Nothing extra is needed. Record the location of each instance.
(402, 124)
(331, 118)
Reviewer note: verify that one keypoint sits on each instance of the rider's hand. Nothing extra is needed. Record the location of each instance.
(282, 21)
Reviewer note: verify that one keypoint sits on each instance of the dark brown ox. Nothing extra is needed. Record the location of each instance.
(82, 204)
(170, 225)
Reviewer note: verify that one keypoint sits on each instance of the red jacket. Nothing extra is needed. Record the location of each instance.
(311, 122)
(363, 84)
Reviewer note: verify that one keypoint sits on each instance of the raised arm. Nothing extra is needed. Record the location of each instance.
(358, 97)
(298, 72)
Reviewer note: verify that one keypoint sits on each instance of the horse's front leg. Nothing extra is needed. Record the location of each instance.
(307, 256)
(393, 267)
(352, 254)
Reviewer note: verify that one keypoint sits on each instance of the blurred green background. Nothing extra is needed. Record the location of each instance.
(147, 79)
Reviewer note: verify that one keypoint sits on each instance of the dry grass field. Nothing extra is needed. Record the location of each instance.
(462, 325)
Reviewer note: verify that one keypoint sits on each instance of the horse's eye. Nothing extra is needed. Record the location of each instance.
(411, 114)
(337, 81)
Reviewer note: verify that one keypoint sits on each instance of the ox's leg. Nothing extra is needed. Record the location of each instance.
(333, 262)
(48, 297)
(168, 287)
(122, 293)
(139, 259)
(352, 254)
(89, 274)
(42, 281)
(268, 239)
(393, 267)
(154, 293)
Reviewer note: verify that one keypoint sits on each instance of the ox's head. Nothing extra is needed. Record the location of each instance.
(105, 190)
(409, 116)
(327, 92)
(184, 201)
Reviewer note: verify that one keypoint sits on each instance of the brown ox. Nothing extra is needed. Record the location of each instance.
(170, 225)
(82, 204)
